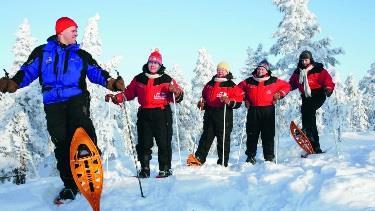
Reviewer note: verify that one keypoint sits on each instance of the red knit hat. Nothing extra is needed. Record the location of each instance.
(155, 57)
(64, 23)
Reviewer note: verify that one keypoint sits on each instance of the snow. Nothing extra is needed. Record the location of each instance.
(319, 182)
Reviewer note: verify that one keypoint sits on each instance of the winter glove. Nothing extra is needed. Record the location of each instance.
(200, 104)
(328, 92)
(116, 99)
(276, 97)
(116, 84)
(174, 89)
(225, 99)
(4, 84)
(8, 85)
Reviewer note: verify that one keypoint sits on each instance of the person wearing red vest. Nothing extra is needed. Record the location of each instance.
(154, 90)
(261, 94)
(219, 91)
(315, 83)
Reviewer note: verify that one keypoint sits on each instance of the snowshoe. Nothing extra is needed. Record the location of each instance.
(165, 173)
(193, 161)
(66, 195)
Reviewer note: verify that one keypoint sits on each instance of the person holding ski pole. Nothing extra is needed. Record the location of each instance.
(262, 91)
(154, 90)
(219, 94)
(315, 84)
(62, 67)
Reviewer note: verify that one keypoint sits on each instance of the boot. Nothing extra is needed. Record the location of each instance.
(164, 173)
(66, 194)
(251, 159)
(193, 161)
(144, 172)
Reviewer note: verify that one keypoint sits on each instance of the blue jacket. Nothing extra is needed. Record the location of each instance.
(61, 69)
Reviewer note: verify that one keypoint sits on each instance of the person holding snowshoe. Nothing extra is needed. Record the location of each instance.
(315, 84)
(219, 92)
(154, 90)
(62, 68)
(262, 91)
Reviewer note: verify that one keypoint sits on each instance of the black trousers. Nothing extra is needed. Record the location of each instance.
(308, 110)
(261, 120)
(62, 121)
(155, 123)
(213, 126)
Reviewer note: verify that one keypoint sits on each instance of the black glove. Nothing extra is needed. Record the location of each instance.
(328, 92)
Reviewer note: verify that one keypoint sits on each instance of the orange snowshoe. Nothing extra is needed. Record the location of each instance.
(86, 167)
(301, 138)
(193, 161)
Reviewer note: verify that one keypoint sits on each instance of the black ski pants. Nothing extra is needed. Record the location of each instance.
(62, 121)
(155, 123)
(261, 120)
(213, 126)
(308, 110)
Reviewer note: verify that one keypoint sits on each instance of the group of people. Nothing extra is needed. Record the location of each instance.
(62, 68)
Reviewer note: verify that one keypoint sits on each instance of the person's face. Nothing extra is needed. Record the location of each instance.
(153, 67)
(221, 72)
(69, 35)
(305, 62)
(261, 71)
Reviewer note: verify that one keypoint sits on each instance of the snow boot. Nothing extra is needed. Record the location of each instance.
(251, 159)
(193, 161)
(144, 172)
(65, 195)
(164, 173)
(220, 162)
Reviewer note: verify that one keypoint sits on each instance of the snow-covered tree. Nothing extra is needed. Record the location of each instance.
(356, 117)
(367, 86)
(91, 41)
(203, 72)
(23, 45)
(295, 34)
(252, 60)
(185, 108)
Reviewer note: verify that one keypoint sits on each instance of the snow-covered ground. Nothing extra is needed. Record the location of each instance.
(319, 182)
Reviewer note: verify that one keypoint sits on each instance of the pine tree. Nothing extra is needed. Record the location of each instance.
(185, 108)
(203, 73)
(91, 41)
(367, 86)
(253, 59)
(23, 45)
(356, 117)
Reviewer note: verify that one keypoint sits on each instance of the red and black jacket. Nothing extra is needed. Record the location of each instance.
(318, 77)
(152, 92)
(213, 90)
(260, 93)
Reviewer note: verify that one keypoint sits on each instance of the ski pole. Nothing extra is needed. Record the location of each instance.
(225, 111)
(175, 118)
(277, 136)
(132, 143)
(107, 154)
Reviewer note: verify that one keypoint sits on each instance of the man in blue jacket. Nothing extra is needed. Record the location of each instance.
(62, 68)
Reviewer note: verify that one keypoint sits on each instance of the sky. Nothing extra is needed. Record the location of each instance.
(179, 28)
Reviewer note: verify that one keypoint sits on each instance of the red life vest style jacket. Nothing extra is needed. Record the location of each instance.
(318, 78)
(213, 90)
(151, 92)
(260, 93)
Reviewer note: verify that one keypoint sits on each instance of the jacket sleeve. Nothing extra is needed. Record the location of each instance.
(293, 81)
(30, 70)
(283, 87)
(236, 98)
(326, 81)
(130, 91)
(94, 72)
